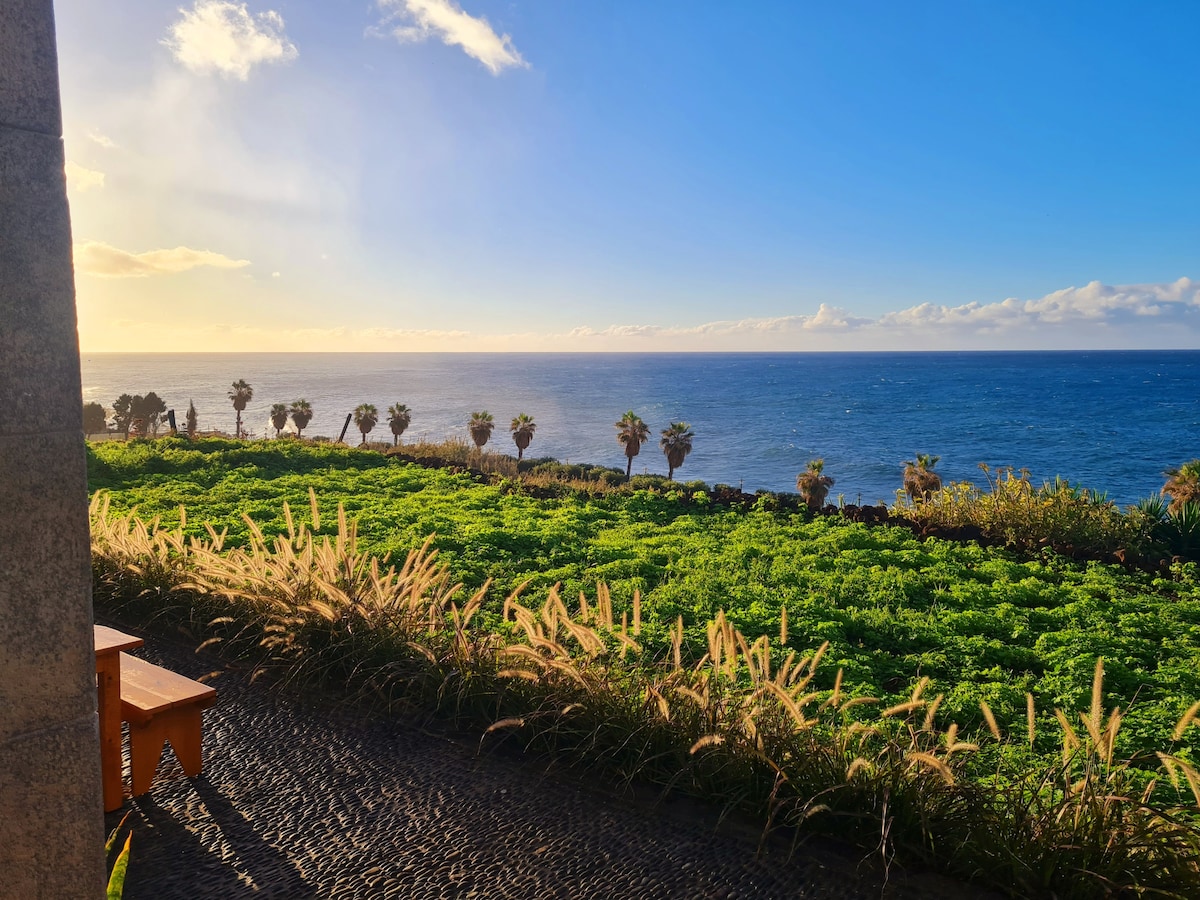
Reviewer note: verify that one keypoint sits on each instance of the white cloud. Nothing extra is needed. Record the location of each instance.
(98, 137)
(98, 258)
(275, 275)
(826, 318)
(1095, 316)
(1071, 313)
(81, 179)
(1094, 303)
(223, 37)
(420, 20)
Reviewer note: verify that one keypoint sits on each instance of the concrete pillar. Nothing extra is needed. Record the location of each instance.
(51, 821)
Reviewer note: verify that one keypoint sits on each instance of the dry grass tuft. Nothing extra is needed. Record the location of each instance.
(744, 725)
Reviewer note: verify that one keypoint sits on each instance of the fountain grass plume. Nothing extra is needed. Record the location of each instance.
(743, 724)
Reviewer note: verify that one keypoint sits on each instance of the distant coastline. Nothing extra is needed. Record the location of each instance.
(1112, 420)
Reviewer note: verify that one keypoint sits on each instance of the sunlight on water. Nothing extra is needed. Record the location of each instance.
(1095, 418)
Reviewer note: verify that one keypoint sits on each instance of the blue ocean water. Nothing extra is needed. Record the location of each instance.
(1111, 420)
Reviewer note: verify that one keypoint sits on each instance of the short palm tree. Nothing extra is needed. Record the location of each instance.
(814, 486)
(920, 481)
(279, 418)
(632, 432)
(191, 420)
(676, 443)
(240, 395)
(302, 414)
(481, 426)
(399, 417)
(1183, 485)
(365, 417)
(522, 429)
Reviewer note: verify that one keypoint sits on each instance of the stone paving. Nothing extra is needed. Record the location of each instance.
(300, 799)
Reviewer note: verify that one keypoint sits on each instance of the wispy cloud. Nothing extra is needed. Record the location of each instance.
(826, 318)
(102, 139)
(413, 21)
(223, 37)
(1092, 316)
(105, 261)
(1086, 310)
(1094, 303)
(83, 179)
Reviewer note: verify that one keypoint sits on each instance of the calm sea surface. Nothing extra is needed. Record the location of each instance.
(1108, 420)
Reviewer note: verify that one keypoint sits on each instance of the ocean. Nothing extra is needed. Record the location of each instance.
(1110, 420)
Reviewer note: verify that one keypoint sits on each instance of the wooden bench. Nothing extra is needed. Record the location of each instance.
(159, 706)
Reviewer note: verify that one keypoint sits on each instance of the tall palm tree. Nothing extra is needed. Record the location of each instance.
(481, 426)
(399, 417)
(632, 432)
(302, 414)
(279, 418)
(920, 481)
(365, 417)
(522, 429)
(1183, 485)
(676, 443)
(240, 395)
(814, 486)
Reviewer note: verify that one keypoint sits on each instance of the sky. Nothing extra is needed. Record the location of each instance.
(550, 175)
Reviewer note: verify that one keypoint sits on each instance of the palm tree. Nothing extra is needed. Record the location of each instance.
(1183, 485)
(279, 418)
(191, 420)
(676, 443)
(920, 481)
(240, 395)
(302, 414)
(481, 426)
(632, 432)
(399, 417)
(522, 429)
(812, 485)
(365, 417)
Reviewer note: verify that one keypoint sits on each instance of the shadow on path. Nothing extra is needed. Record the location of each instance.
(298, 800)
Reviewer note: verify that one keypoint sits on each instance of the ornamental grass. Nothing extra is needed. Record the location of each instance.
(1014, 512)
(740, 722)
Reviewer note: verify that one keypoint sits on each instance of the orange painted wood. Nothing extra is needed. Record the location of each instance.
(109, 644)
(161, 707)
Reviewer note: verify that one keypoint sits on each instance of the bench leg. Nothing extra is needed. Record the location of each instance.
(181, 727)
(185, 740)
(145, 750)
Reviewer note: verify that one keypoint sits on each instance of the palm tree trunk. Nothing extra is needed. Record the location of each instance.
(628, 467)
(670, 472)
(238, 434)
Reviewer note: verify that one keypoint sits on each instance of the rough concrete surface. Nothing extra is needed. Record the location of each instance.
(39, 385)
(29, 67)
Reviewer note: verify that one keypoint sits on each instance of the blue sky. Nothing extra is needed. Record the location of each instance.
(553, 175)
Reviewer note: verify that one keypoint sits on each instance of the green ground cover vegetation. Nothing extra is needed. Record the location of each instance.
(810, 670)
(983, 624)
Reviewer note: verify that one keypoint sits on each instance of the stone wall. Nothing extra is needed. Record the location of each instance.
(51, 824)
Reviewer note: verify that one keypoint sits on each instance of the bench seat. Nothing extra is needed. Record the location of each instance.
(161, 706)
